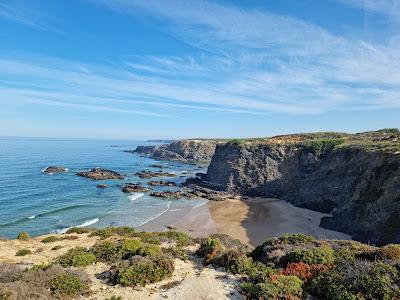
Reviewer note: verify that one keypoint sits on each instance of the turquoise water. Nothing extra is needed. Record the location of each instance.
(39, 203)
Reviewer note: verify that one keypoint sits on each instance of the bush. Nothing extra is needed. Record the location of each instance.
(23, 235)
(209, 249)
(279, 287)
(237, 142)
(106, 251)
(150, 250)
(144, 271)
(114, 298)
(305, 271)
(235, 262)
(130, 247)
(176, 252)
(148, 237)
(322, 145)
(77, 257)
(389, 130)
(79, 230)
(10, 273)
(23, 252)
(68, 284)
(110, 231)
(388, 252)
(182, 239)
(319, 255)
(357, 280)
(51, 239)
(296, 238)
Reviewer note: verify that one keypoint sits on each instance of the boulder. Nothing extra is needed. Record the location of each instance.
(54, 169)
(100, 174)
(134, 188)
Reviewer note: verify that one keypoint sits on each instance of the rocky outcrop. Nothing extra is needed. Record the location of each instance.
(54, 169)
(134, 188)
(100, 174)
(102, 186)
(356, 178)
(183, 150)
(161, 183)
(194, 191)
(150, 174)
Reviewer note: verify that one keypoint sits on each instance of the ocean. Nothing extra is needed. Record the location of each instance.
(39, 203)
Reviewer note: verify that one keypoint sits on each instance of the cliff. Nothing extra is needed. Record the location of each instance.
(356, 177)
(182, 150)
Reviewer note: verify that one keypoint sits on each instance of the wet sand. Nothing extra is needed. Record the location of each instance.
(252, 220)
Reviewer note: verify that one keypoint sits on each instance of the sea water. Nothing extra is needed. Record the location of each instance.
(39, 203)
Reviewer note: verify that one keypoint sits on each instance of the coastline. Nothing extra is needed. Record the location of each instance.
(251, 220)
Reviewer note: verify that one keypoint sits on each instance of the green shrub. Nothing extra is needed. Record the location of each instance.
(77, 257)
(279, 287)
(237, 142)
(123, 231)
(79, 230)
(235, 262)
(388, 252)
(182, 239)
(357, 280)
(145, 271)
(389, 130)
(150, 250)
(209, 249)
(296, 238)
(68, 284)
(23, 252)
(148, 237)
(106, 251)
(50, 239)
(130, 247)
(319, 255)
(23, 235)
(322, 145)
(176, 252)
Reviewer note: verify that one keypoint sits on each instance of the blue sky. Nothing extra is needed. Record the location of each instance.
(139, 69)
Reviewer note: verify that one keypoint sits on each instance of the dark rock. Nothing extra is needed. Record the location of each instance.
(134, 188)
(357, 182)
(183, 150)
(151, 174)
(100, 174)
(167, 194)
(161, 183)
(102, 186)
(54, 169)
(159, 166)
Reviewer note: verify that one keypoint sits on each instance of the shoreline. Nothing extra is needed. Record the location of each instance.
(252, 221)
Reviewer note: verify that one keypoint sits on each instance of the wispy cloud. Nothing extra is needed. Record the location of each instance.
(246, 61)
(17, 11)
(387, 7)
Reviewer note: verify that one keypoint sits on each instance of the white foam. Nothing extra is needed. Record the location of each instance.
(84, 224)
(160, 214)
(200, 205)
(31, 217)
(135, 196)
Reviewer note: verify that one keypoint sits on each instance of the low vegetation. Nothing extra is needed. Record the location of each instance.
(23, 235)
(298, 266)
(23, 252)
(294, 266)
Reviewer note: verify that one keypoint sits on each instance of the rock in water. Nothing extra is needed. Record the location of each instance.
(167, 194)
(151, 174)
(134, 188)
(161, 183)
(102, 186)
(54, 169)
(100, 174)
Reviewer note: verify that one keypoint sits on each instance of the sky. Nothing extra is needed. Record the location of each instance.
(140, 69)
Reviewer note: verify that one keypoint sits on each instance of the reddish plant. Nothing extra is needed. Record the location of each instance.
(305, 271)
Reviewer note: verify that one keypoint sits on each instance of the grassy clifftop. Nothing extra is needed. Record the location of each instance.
(387, 140)
(119, 263)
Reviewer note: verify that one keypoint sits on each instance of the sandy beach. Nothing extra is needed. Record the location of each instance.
(252, 220)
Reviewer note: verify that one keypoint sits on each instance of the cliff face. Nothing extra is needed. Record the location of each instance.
(356, 178)
(183, 150)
